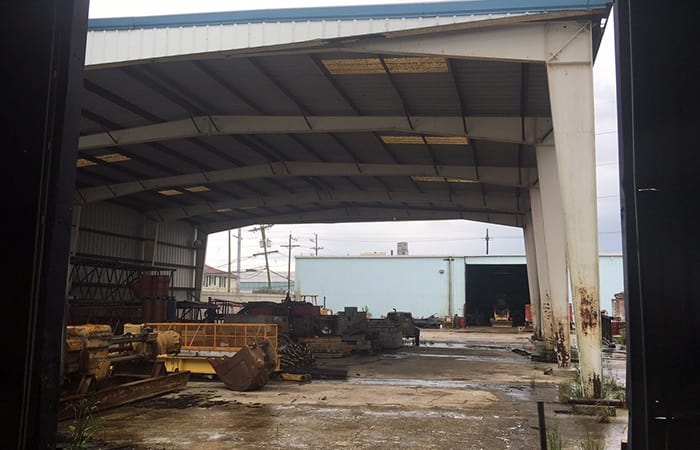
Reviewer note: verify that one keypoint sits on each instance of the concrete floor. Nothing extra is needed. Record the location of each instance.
(463, 389)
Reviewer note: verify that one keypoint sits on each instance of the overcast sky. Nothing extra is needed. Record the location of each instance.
(424, 238)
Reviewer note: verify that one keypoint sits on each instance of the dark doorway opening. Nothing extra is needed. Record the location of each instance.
(489, 284)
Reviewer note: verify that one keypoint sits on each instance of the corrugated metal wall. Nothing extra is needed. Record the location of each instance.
(415, 284)
(175, 241)
(113, 232)
(109, 230)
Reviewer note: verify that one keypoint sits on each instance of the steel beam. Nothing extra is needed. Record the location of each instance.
(570, 79)
(366, 214)
(555, 246)
(498, 129)
(497, 201)
(500, 176)
(522, 43)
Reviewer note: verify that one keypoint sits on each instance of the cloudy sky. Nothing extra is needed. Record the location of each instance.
(424, 238)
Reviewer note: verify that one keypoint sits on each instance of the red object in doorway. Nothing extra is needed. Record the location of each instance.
(528, 313)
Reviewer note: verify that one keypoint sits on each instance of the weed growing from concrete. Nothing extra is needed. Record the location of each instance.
(85, 425)
(614, 389)
(591, 443)
(604, 415)
(554, 439)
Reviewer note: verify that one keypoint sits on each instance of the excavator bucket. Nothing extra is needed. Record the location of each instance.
(247, 370)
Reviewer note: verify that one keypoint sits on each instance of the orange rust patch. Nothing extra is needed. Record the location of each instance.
(588, 313)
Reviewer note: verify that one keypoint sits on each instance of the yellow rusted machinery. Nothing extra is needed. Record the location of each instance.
(201, 341)
(501, 314)
(94, 350)
(117, 369)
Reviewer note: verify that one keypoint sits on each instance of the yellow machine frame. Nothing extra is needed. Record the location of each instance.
(200, 340)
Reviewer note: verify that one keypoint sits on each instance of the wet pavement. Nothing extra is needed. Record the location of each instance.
(465, 390)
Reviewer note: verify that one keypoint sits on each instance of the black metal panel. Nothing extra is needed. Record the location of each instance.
(44, 45)
(299, 76)
(428, 94)
(658, 96)
(490, 87)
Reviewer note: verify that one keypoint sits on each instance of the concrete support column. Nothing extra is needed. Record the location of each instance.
(532, 279)
(555, 245)
(546, 317)
(570, 78)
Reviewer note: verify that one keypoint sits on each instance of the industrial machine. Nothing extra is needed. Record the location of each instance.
(409, 329)
(295, 319)
(501, 314)
(116, 369)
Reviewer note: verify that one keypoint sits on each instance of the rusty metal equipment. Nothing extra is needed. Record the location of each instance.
(249, 368)
(116, 369)
(295, 318)
(384, 334)
(409, 329)
(203, 340)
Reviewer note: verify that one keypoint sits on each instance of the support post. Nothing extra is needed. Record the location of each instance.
(150, 243)
(570, 78)
(546, 317)
(532, 279)
(555, 243)
(199, 256)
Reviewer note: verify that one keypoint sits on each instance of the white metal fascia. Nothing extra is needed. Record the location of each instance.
(365, 214)
(500, 176)
(497, 129)
(112, 46)
(496, 201)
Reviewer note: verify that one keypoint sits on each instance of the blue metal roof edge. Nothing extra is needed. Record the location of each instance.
(450, 8)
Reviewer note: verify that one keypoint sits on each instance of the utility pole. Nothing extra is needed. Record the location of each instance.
(449, 260)
(289, 262)
(238, 264)
(316, 247)
(228, 281)
(487, 239)
(262, 229)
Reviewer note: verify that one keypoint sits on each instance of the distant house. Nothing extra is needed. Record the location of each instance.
(216, 280)
(256, 281)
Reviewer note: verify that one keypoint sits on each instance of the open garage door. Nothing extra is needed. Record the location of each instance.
(499, 286)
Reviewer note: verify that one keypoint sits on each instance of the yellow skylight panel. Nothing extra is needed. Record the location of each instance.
(416, 65)
(82, 162)
(353, 66)
(433, 140)
(430, 179)
(113, 157)
(197, 189)
(402, 139)
(360, 66)
(170, 192)
(446, 140)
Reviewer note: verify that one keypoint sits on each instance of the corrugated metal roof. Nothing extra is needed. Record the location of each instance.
(444, 9)
(293, 84)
